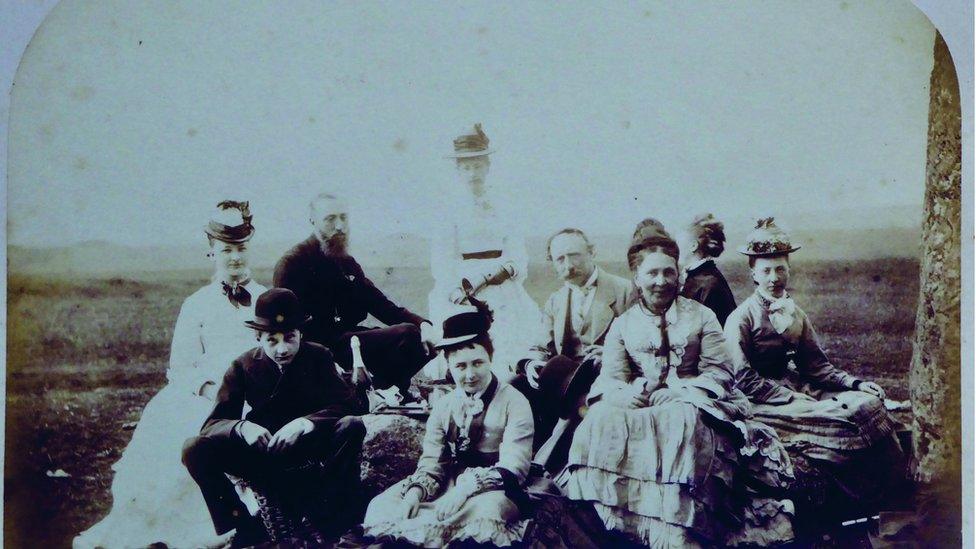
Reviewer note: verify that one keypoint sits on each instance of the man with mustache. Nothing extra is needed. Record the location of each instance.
(560, 368)
(337, 294)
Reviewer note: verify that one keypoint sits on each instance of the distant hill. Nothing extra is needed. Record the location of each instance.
(815, 244)
(838, 234)
(106, 258)
(407, 250)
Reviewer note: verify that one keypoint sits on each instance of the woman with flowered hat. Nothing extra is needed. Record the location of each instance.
(702, 241)
(479, 253)
(666, 437)
(154, 499)
(827, 417)
(468, 486)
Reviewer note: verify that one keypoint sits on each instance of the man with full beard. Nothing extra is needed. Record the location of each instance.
(338, 295)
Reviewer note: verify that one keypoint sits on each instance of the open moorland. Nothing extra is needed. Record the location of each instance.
(85, 355)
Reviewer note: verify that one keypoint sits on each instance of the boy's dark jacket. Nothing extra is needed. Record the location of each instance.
(309, 387)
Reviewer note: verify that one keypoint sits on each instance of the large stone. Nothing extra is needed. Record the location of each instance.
(934, 380)
(390, 451)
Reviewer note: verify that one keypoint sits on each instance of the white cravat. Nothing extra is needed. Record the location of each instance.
(782, 313)
(468, 406)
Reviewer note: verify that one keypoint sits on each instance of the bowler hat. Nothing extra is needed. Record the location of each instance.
(277, 310)
(471, 145)
(564, 383)
(231, 222)
(465, 325)
(768, 240)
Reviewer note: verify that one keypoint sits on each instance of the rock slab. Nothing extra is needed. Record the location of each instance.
(390, 451)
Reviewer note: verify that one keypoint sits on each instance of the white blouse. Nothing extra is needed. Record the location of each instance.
(210, 333)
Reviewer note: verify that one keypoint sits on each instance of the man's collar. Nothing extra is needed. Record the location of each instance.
(697, 264)
(590, 282)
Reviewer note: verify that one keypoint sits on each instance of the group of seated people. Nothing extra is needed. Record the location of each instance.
(675, 416)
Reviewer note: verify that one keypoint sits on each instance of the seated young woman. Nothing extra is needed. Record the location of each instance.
(662, 446)
(154, 500)
(831, 421)
(476, 452)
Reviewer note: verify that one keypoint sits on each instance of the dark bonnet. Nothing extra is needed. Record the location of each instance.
(650, 235)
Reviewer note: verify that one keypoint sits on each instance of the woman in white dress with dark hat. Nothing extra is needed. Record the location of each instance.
(480, 252)
(154, 500)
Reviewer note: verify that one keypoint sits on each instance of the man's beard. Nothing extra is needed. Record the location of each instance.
(335, 245)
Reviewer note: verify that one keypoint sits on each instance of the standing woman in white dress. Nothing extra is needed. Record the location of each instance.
(154, 499)
(482, 248)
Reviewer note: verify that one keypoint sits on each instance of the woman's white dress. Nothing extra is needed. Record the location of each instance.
(154, 499)
(465, 250)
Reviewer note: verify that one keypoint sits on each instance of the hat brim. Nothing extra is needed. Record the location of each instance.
(448, 341)
(745, 251)
(564, 384)
(274, 328)
(224, 238)
(471, 154)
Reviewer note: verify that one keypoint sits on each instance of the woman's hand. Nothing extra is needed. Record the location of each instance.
(450, 503)
(411, 503)
(630, 399)
(871, 388)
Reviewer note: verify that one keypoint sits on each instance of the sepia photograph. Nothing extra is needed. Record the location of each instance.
(396, 274)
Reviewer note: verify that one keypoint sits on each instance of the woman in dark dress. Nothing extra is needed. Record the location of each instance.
(702, 241)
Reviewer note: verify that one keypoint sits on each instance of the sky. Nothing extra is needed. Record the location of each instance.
(130, 120)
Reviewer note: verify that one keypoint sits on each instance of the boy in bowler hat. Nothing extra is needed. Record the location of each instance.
(301, 412)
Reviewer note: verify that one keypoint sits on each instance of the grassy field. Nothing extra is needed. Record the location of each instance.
(84, 357)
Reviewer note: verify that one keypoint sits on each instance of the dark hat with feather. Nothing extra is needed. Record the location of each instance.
(469, 322)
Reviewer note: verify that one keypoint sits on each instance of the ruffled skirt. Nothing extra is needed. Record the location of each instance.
(847, 455)
(488, 517)
(669, 475)
(848, 420)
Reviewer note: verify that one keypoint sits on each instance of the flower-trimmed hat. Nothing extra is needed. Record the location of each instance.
(277, 310)
(471, 145)
(231, 222)
(767, 240)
